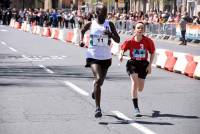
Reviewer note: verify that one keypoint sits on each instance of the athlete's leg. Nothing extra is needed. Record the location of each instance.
(134, 85)
(134, 93)
(140, 84)
(98, 81)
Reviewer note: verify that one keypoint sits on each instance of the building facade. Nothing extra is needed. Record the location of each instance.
(191, 6)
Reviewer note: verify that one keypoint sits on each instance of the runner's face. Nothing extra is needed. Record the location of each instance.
(139, 29)
(101, 14)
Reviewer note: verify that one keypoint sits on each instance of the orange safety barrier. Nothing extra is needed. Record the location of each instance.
(182, 61)
(56, 35)
(171, 60)
(162, 56)
(69, 36)
(39, 30)
(169, 65)
(46, 32)
(190, 67)
(34, 29)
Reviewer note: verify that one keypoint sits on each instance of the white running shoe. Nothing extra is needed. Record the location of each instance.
(137, 112)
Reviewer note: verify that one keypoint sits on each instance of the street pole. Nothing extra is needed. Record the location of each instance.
(23, 4)
(175, 7)
(184, 6)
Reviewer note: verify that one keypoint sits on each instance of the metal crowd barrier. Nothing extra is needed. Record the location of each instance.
(165, 30)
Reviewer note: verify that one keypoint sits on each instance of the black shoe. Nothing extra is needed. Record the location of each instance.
(181, 43)
(185, 43)
(93, 97)
(98, 113)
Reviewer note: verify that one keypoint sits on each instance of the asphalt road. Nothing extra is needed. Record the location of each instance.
(45, 89)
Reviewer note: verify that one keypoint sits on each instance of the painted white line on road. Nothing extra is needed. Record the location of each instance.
(46, 69)
(136, 125)
(76, 88)
(4, 30)
(56, 58)
(3, 43)
(14, 50)
(24, 56)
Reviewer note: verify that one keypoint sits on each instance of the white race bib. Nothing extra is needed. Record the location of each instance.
(99, 40)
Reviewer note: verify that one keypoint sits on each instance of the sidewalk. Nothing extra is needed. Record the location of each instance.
(160, 38)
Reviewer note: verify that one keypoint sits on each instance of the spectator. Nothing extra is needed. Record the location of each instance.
(182, 24)
(197, 19)
(54, 18)
(72, 20)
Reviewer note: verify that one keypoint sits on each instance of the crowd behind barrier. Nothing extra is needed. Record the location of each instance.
(161, 30)
(162, 24)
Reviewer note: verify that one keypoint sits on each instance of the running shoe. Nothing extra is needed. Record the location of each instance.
(98, 113)
(137, 112)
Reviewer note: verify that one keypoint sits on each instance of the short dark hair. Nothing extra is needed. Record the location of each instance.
(99, 6)
(140, 22)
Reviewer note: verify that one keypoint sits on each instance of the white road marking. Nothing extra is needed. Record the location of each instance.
(76, 88)
(14, 50)
(136, 125)
(56, 57)
(24, 56)
(46, 58)
(46, 69)
(63, 56)
(3, 43)
(4, 30)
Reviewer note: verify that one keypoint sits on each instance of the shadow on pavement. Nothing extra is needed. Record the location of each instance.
(122, 121)
(76, 71)
(156, 114)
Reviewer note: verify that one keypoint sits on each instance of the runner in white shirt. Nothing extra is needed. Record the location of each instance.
(98, 56)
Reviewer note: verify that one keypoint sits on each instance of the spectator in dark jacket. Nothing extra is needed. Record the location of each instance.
(182, 23)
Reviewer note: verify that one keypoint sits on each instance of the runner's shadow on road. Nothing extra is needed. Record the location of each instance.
(122, 121)
(157, 114)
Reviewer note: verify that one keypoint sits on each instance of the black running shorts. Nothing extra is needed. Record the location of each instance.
(102, 63)
(137, 66)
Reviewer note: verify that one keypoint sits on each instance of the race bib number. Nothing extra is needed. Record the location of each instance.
(99, 40)
(139, 53)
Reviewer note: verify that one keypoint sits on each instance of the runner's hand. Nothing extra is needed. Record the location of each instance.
(107, 32)
(120, 58)
(81, 44)
(149, 69)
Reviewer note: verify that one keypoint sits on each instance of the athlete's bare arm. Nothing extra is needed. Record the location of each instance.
(83, 30)
(114, 34)
(121, 55)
